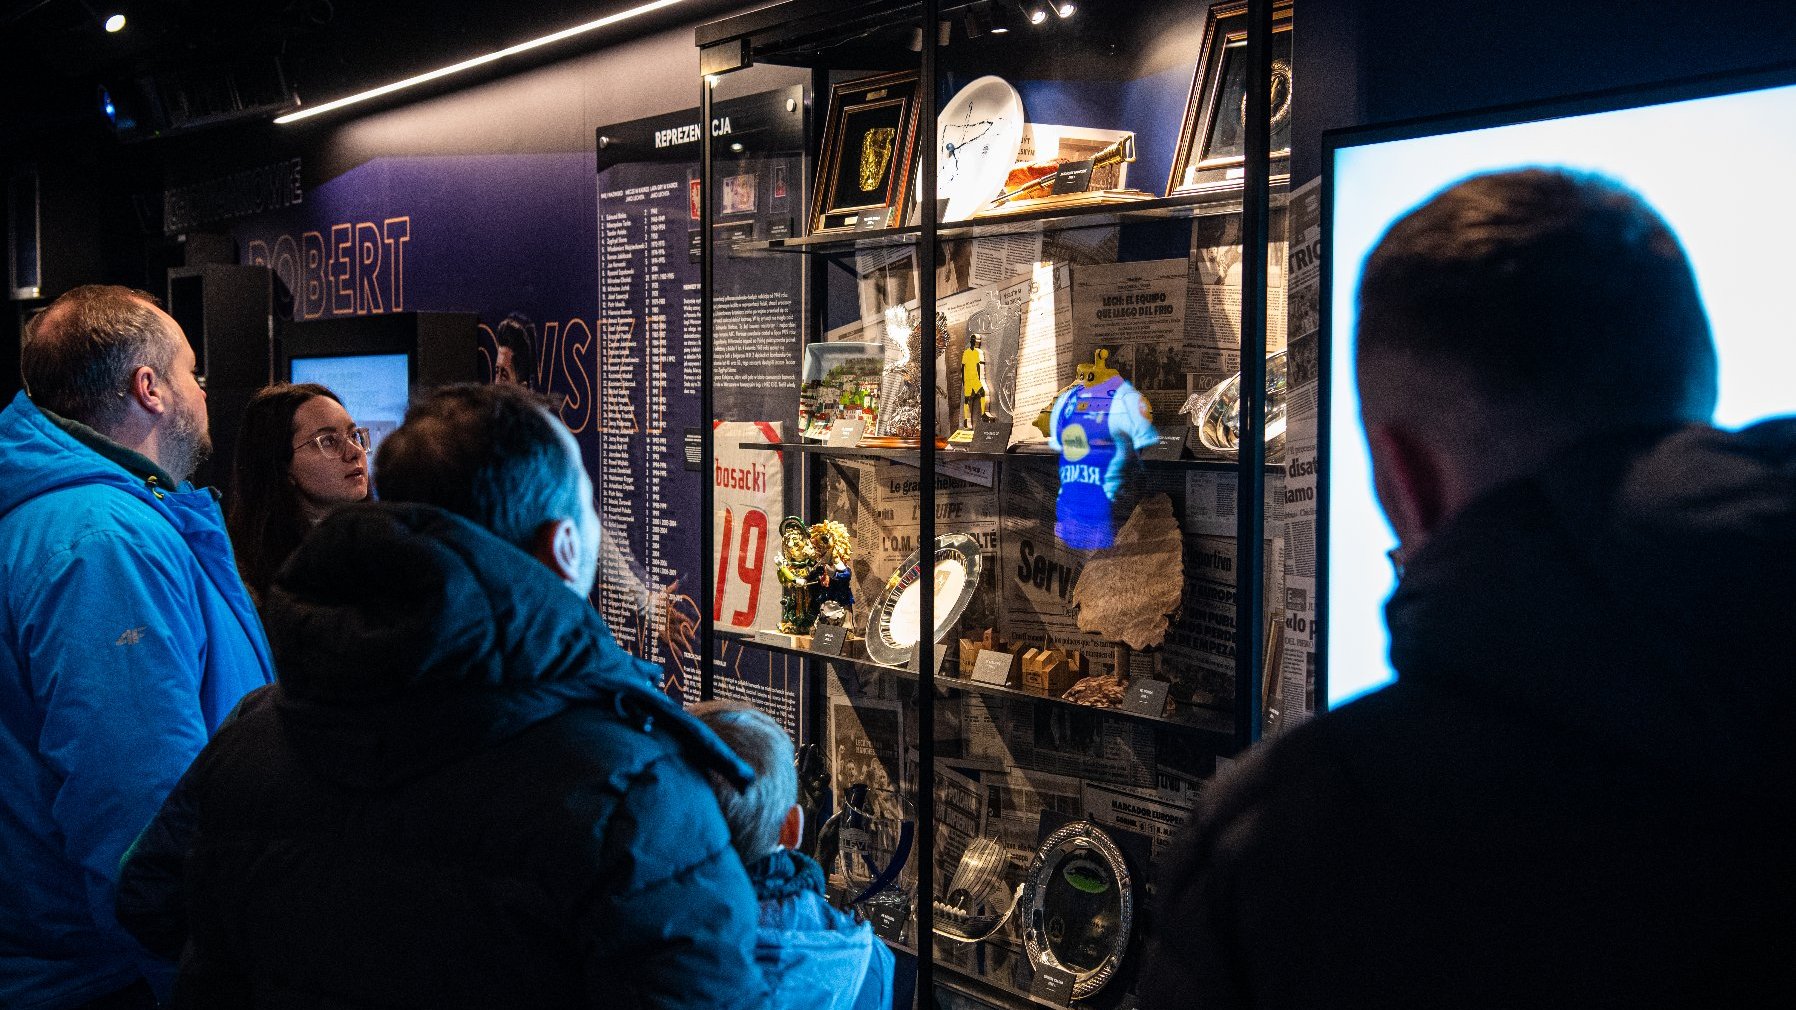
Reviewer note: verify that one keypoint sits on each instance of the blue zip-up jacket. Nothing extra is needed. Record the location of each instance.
(814, 956)
(127, 637)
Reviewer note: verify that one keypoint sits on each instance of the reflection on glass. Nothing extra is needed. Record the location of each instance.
(1228, 130)
(1097, 425)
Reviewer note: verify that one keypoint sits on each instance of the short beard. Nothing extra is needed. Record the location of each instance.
(187, 445)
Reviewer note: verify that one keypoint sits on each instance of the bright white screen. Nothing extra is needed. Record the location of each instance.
(1715, 168)
(374, 388)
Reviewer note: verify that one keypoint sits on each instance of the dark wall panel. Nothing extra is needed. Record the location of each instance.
(1366, 61)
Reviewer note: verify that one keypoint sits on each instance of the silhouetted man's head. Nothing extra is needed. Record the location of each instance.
(498, 456)
(110, 358)
(1511, 315)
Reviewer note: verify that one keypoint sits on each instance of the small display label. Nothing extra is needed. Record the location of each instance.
(870, 220)
(888, 924)
(847, 431)
(990, 438)
(828, 639)
(1171, 444)
(1073, 177)
(1052, 984)
(993, 667)
(1146, 697)
(916, 665)
(695, 449)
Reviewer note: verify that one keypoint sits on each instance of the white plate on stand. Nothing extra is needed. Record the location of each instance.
(978, 134)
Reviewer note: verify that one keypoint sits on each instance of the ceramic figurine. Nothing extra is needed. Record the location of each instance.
(833, 595)
(798, 568)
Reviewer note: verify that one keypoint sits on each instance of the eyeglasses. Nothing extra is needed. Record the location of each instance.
(332, 443)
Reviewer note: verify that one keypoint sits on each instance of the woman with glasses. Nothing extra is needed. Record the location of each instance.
(298, 457)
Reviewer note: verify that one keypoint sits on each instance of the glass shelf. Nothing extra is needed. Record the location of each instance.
(1213, 726)
(1021, 223)
(942, 456)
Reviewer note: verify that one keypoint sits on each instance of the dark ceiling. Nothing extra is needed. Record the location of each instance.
(55, 56)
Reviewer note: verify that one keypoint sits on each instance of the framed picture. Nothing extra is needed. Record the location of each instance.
(1210, 156)
(739, 194)
(865, 175)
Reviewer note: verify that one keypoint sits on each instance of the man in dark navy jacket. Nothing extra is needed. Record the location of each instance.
(461, 792)
(1577, 793)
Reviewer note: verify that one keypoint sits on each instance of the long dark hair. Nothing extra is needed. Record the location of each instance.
(264, 518)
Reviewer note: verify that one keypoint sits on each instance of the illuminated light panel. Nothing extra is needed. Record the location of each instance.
(567, 33)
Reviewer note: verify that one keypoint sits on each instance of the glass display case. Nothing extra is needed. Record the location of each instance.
(991, 360)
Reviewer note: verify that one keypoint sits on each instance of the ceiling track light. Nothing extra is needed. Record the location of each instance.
(1065, 10)
(1037, 13)
(114, 23)
(478, 61)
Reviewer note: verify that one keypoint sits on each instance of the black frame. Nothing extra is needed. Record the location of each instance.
(901, 89)
(1605, 100)
(1225, 23)
(774, 35)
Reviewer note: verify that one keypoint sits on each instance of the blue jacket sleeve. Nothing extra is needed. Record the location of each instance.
(876, 988)
(152, 906)
(115, 657)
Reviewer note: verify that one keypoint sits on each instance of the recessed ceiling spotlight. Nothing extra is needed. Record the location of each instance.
(115, 23)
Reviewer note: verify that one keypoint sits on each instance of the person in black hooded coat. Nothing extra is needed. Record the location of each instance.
(460, 793)
(1577, 793)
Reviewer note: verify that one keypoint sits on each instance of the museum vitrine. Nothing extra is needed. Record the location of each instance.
(995, 363)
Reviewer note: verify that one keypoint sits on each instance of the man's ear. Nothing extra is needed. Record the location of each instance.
(557, 545)
(792, 828)
(148, 390)
(1410, 482)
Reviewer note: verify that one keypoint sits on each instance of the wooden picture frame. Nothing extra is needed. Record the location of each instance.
(868, 165)
(1209, 158)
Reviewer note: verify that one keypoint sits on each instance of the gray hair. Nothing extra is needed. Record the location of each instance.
(754, 814)
(78, 354)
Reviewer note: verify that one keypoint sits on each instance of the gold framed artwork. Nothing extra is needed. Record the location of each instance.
(1210, 156)
(869, 159)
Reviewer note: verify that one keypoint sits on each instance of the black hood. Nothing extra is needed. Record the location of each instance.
(1639, 591)
(406, 637)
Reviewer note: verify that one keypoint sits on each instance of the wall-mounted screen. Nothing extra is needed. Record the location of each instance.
(1717, 169)
(374, 388)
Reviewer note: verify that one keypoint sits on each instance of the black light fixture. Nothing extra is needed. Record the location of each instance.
(1003, 20)
(979, 19)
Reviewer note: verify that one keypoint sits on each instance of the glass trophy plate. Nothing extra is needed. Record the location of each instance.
(1078, 905)
(892, 627)
(1216, 413)
(980, 132)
